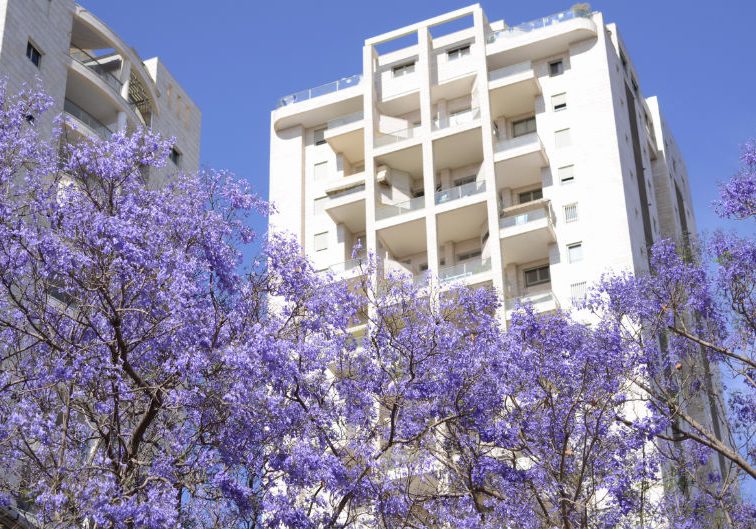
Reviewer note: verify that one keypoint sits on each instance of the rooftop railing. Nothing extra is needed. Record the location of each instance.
(328, 88)
(102, 130)
(98, 66)
(538, 23)
(457, 192)
(463, 270)
(387, 211)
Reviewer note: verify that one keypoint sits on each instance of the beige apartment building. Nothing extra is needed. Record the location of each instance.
(96, 80)
(521, 157)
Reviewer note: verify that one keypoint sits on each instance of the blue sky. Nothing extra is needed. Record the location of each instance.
(236, 58)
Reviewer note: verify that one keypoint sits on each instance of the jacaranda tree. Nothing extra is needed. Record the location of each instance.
(151, 378)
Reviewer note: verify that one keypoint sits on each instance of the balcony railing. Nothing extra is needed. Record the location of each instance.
(387, 138)
(461, 118)
(457, 192)
(507, 71)
(463, 270)
(102, 130)
(522, 214)
(98, 66)
(514, 143)
(347, 266)
(387, 211)
(536, 298)
(344, 120)
(328, 88)
(538, 23)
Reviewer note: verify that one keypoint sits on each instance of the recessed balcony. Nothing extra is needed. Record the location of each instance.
(349, 269)
(526, 229)
(525, 145)
(542, 301)
(468, 272)
(384, 139)
(84, 122)
(458, 120)
(458, 192)
(513, 88)
(346, 201)
(386, 211)
(346, 135)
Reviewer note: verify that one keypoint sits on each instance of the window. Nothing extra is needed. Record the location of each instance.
(33, 54)
(320, 171)
(321, 241)
(559, 101)
(457, 53)
(537, 276)
(523, 126)
(319, 205)
(570, 213)
(562, 138)
(318, 136)
(556, 68)
(530, 196)
(175, 156)
(575, 252)
(566, 174)
(578, 292)
(464, 180)
(403, 69)
(468, 255)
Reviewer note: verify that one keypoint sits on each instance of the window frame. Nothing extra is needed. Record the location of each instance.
(323, 235)
(316, 132)
(403, 69)
(575, 246)
(567, 207)
(456, 53)
(539, 280)
(569, 180)
(558, 107)
(531, 193)
(175, 155)
(559, 64)
(34, 54)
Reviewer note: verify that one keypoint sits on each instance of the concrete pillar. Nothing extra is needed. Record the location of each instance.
(121, 121)
(449, 258)
(442, 113)
(369, 105)
(506, 198)
(444, 178)
(125, 78)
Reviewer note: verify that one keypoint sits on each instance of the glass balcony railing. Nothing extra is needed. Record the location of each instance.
(460, 118)
(328, 88)
(387, 211)
(102, 130)
(538, 23)
(344, 120)
(523, 214)
(347, 266)
(463, 270)
(535, 299)
(99, 66)
(519, 141)
(387, 138)
(457, 192)
(508, 71)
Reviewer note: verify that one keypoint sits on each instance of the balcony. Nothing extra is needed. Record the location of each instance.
(92, 124)
(346, 135)
(457, 192)
(389, 138)
(542, 301)
(328, 88)
(526, 230)
(459, 119)
(348, 269)
(527, 145)
(346, 201)
(513, 88)
(464, 272)
(102, 66)
(392, 210)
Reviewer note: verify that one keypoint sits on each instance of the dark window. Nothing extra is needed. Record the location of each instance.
(33, 54)
(537, 276)
(464, 180)
(459, 52)
(524, 126)
(468, 255)
(319, 136)
(403, 69)
(175, 156)
(530, 196)
(556, 68)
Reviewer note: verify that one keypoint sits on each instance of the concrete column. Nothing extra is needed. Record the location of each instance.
(506, 198)
(444, 177)
(429, 173)
(121, 121)
(449, 258)
(125, 78)
(369, 58)
(442, 113)
(342, 242)
(492, 205)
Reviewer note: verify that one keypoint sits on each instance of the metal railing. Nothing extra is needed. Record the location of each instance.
(463, 270)
(512, 69)
(102, 130)
(525, 213)
(461, 118)
(387, 138)
(519, 141)
(97, 66)
(456, 192)
(392, 210)
(344, 120)
(535, 298)
(328, 88)
(538, 23)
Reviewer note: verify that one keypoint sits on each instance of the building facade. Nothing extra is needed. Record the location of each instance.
(96, 80)
(520, 157)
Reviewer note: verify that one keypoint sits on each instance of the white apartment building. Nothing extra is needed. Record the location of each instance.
(96, 80)
(519, 157)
